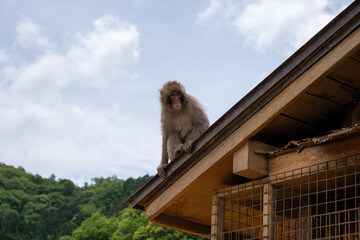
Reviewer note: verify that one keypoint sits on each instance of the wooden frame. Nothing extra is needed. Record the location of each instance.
(292, 205)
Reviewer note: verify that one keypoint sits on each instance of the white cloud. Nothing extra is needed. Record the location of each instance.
(45, 75)
(109, 52)
(3, 56)
(47, 127)
(77, 143)
(31, 35)
(267, 24)
(209, 11)
(282, 22)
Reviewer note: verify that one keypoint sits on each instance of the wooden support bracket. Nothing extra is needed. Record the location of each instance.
(250, 162)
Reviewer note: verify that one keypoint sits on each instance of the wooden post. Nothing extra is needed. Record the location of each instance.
(217, 217)
(268, 211)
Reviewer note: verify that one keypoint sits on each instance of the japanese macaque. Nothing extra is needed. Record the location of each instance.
(183, 119)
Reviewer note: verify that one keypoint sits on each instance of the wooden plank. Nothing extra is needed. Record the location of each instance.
(314, 155)
(356, 56)
(278, 131)
(247, 163)
(352, 114)
(268, 211)
(333, 90)
(181, 225)
(217, 217)
(260, 119)
(348, 73)
(313, 110)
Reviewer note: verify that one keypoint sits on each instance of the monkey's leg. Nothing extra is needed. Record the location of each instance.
(187, 146)
(174, 146)
(196, 131)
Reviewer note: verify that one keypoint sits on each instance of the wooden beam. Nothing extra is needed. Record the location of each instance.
(249, 163)
(217, 217)
(182, 225)
(314, 155)
(268, 211)
(260, 119)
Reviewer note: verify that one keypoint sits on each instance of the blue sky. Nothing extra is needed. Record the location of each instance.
(79, 79)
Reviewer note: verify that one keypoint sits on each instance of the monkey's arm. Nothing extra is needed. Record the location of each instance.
(200, 124)
(187, 146)
(164, 156)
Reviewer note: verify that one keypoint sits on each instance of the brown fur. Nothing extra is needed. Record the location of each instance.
(179, 127)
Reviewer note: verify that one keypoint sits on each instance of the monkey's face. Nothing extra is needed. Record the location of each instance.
(175, 99)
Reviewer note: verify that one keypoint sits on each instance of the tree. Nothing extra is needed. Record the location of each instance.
(9, 222)
(36, 208)
(133, 225)
(97, 227)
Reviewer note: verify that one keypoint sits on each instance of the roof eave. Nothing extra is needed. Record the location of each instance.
(325, 40)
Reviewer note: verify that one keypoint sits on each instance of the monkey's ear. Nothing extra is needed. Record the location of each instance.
(163, 96)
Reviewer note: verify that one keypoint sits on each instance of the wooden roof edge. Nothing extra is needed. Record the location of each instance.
(325, 40)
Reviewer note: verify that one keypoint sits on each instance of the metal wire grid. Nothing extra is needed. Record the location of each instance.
(317, 202)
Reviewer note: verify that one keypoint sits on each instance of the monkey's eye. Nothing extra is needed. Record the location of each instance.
(173, 96)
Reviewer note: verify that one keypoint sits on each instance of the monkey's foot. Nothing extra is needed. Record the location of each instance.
(177, 151)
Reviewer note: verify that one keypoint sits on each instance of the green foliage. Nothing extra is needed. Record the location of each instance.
(36, 208)
(9, 220)
(96, 227)
(130, 224)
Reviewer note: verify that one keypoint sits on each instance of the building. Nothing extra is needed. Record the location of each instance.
(282, 163)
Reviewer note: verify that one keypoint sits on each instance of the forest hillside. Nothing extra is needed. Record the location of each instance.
(37, 208)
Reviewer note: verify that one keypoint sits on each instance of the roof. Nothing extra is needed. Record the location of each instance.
(318, 64)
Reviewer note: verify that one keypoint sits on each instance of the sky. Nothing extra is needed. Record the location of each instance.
(80, 79)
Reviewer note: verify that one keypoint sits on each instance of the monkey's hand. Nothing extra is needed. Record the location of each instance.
(187, 146)
(161, 169)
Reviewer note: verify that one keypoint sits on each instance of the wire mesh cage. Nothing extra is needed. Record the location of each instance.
(316, 202)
